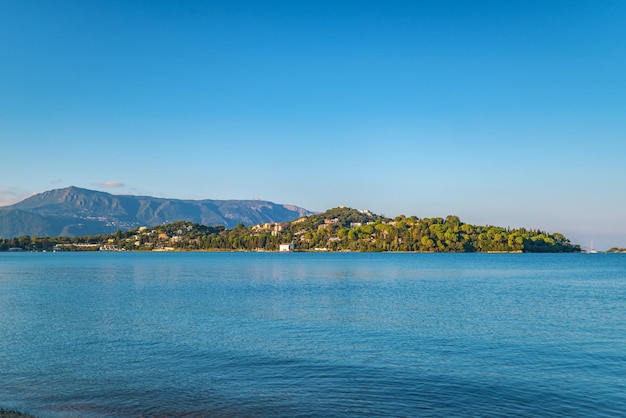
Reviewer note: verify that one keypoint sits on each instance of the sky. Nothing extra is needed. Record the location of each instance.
(502, 113)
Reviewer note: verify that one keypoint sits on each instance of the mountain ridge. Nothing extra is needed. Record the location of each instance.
(75, 211)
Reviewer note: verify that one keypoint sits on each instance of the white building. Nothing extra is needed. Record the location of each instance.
(286, 247)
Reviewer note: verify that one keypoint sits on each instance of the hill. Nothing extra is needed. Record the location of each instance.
(74, 211)
(338, 229)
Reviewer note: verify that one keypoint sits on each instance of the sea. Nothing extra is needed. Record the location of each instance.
(313, 334)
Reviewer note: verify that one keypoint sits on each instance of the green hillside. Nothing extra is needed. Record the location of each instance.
(338, 229)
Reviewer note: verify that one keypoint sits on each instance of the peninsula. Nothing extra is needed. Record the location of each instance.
(338, 229)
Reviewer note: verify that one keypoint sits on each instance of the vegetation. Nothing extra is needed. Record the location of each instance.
(338, 229)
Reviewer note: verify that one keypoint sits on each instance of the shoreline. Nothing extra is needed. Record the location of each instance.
(213, 250)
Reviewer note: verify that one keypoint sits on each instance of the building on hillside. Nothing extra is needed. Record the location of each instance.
(277, 228)
(274, 228)
(286, 247)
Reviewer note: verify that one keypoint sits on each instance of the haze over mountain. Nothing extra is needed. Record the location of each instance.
(75, 211)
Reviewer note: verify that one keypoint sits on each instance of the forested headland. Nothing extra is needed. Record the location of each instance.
(338, 229)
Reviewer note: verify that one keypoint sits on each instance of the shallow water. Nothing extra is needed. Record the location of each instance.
(265, 335)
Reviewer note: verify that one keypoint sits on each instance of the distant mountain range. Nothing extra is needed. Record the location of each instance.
(76, 212)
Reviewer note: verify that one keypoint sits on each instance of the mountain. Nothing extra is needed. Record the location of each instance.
(75, 212)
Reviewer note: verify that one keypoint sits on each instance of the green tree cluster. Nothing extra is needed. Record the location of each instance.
(338, 229)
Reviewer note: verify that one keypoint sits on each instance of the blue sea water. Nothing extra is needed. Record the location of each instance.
(308, 335)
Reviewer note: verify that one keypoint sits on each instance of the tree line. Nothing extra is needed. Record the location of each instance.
(338, 229)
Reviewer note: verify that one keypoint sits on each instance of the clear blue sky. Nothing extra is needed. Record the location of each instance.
(510, 113)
